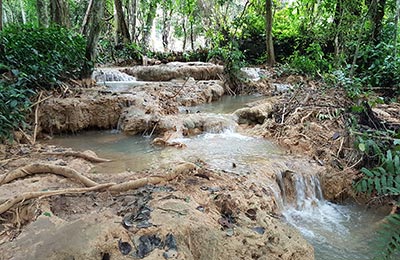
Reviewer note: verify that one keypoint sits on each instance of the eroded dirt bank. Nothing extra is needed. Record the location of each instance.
(181, 210)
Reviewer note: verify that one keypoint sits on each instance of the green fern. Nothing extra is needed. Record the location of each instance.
(384, 180)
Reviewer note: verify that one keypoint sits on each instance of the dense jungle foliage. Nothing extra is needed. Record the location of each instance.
(346, 44)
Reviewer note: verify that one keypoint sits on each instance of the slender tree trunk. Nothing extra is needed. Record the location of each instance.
(268, 32)
(133, 20)
(337, 22)
(122, 32)
(191, 36)
(184, 33)
(23, 15)
(149, 25)
(42, 12)
(59, 12)
(166, 27)
(1, 15)
(377, 19)
(91, 28)
(396, 26)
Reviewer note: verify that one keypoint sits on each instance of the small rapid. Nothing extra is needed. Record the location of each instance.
(337, 232)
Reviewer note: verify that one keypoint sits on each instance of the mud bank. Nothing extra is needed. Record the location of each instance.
(141, 106)
(211, 214)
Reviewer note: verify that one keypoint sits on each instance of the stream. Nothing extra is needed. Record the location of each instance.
(342, 232)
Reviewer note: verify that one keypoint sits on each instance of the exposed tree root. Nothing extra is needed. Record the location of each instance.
(182, 168)
(42, 194)
(38, 168)
(84, 155)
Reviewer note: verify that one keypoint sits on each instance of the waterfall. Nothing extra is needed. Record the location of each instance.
(298, 191)
(303, 206)
(111, 75)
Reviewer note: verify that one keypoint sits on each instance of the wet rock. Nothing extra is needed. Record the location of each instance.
(230, 232)
(140, 218)
(146, 244)
(171, 247)
(254, 115)
(124, 247)
(259, 230)
(200, 208)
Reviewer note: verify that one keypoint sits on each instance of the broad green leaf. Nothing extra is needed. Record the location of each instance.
(361, 147)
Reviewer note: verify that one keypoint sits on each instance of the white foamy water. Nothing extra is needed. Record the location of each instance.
(337, 232)
(102, 75)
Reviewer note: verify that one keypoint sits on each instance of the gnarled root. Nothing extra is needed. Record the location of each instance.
(84, 155)
(43, 194)
(180, 169)
(38, 168)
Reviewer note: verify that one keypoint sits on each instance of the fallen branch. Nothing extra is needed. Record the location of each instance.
(28, 137)
(83, 155)
(41, 100)
(43, 194)
(38, 168)
(184, 84)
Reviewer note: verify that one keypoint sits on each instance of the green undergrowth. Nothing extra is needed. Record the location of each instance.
(33, 59)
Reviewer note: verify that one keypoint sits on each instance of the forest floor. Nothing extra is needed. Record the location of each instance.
(53, 207)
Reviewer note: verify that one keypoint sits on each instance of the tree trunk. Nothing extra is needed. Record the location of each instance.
(148, 25)
(59, 13)
(42, 12)
(377, 19)
(184, 33)
(166, 27)
(337, 22)
(91, 30)
(268, 32)
(23, 15)
(122, 32)
(133, 20)
(191, 36)
(1, 15)
(396, 26)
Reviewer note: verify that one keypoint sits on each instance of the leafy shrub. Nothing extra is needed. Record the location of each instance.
(377, 67)
(14, 104)
(313, 62)
(42, 56)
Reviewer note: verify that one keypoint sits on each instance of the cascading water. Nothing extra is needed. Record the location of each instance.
(111, 75)
(341, 232)
(337, 232)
